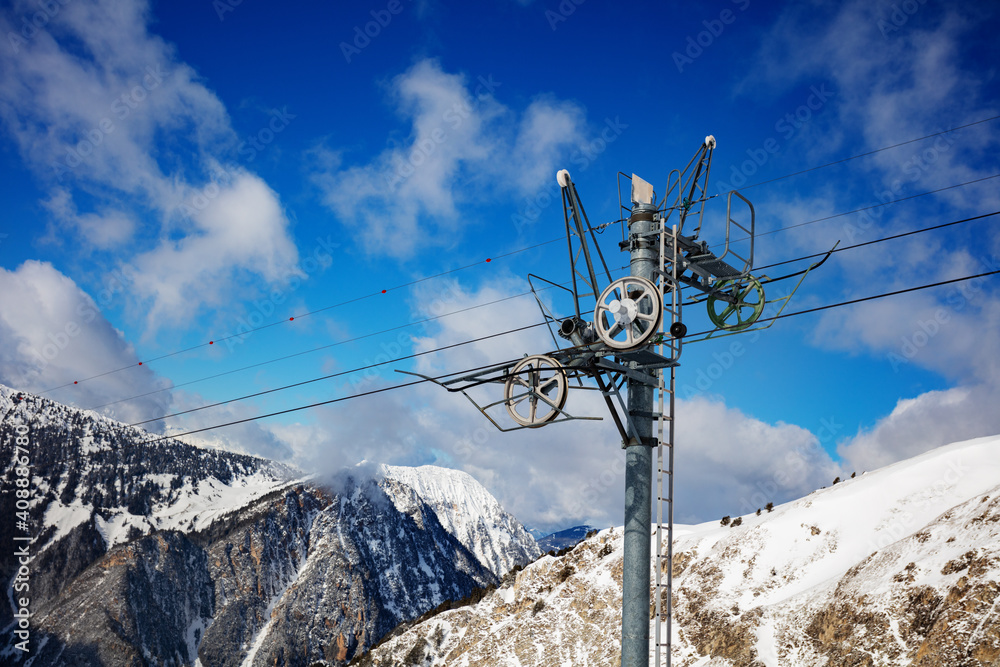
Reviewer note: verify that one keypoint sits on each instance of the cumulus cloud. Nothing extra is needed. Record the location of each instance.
(54, 335)
(242, 232)
(914, 81)
(464, 145)
(920, 424)
(132, 146)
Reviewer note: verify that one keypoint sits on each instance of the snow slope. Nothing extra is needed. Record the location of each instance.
(896, 567)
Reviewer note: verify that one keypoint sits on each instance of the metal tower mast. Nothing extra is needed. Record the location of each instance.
(644, 250)
(630, 316)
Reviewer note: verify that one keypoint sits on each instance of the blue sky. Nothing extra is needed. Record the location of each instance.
(178, 173)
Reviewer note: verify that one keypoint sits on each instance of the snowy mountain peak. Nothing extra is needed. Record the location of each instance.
(466, 510)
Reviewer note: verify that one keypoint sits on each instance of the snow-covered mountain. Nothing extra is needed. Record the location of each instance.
(169, 554)
(900, 566)
(469, 512)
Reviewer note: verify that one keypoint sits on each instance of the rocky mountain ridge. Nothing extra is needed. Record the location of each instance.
(163, 553)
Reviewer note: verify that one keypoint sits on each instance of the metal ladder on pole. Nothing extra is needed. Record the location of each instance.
(669, 347)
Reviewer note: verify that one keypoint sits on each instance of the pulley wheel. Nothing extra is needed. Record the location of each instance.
(742, 306)
(536, 390)
(628, 313)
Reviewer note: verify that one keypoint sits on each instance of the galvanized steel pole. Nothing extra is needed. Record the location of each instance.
(644, 249)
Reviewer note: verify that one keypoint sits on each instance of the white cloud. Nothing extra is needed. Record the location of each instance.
(914, 80)
(53, 334)
(920, 424)
(464, 146)
(243, 230)
(131, 144)
(910, 83)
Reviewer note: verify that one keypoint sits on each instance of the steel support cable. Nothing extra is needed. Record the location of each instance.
(313, 405)
(300, 316)
(339, 399)
(877, 150)
(514, 296)
(884, 238)
(284, 412)
(864, 298)
(238, 421)
(316, 349)
(339, 373)
(863, 208)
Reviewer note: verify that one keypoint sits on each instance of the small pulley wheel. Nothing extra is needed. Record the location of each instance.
(628, 313)
(734, 306)
(536, 390)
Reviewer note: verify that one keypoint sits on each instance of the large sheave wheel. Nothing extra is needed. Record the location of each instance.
(535, 392)
(628, 313)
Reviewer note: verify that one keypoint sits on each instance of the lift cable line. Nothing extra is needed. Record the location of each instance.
(884, 238)
(468, 266)
(440, 377)
(877, 150)
(302, 315)
(339, 373)
(316, 349)
(489, 303)
(867, 208)
(339, 399)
